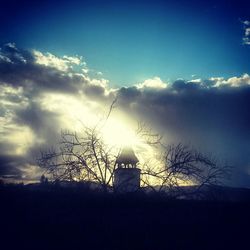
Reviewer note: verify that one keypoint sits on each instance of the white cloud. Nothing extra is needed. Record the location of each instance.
(246, 38)
(11, 45)
(85, 70)
(239, 81)
(246, 41)
(155, 83)
(66, 65)
(100, 82)
(74, 60)
(247, 32)
(231, 82)
(198, 80)
(61, 63)
(50, 60)
(5, 58)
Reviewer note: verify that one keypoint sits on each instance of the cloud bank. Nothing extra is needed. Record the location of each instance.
(42, 93)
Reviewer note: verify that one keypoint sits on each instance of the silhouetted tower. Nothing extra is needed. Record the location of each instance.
(127, 175)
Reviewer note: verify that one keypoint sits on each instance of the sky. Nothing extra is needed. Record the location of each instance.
(181, 66)
(131, 41)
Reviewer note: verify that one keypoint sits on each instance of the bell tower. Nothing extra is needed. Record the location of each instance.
(127, 175)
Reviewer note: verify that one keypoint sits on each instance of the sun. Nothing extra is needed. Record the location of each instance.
(118, 133)
(121, 132)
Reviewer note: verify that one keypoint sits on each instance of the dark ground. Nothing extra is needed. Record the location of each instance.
(73, 219)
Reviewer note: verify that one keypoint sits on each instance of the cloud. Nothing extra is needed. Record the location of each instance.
(246, 22)
(9, 166)
(38, 72)
(63, 64)
(41, 93)
(244, 80)
(212, 115)
(155, 83)
(74, 60)
(246, 37)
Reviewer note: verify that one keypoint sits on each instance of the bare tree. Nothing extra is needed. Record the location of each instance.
(146, 133)
(78, 158)
(182, 166)
(82, 156)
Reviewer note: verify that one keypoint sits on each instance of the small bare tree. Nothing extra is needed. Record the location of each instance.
(182, 166)
(147, 135)
(82, 156)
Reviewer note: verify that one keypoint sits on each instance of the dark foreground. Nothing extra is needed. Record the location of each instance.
(71, 219)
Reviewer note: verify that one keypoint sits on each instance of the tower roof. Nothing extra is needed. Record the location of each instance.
(127, 157)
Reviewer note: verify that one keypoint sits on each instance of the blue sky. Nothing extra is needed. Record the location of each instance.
(130, 41)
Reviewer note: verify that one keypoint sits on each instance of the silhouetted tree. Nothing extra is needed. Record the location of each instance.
(182, 166)
(82, 156)
(147, 135)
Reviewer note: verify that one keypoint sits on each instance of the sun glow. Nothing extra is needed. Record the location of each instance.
(119, 134)
(117, 131)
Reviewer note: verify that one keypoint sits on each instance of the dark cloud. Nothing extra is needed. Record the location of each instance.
(33, 116)
(94, 91)
(126, 96)
(213, 119)
(43, 123)
(9, 166)
(20, 68)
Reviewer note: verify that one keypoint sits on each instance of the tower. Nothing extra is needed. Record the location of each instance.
(127, 175)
